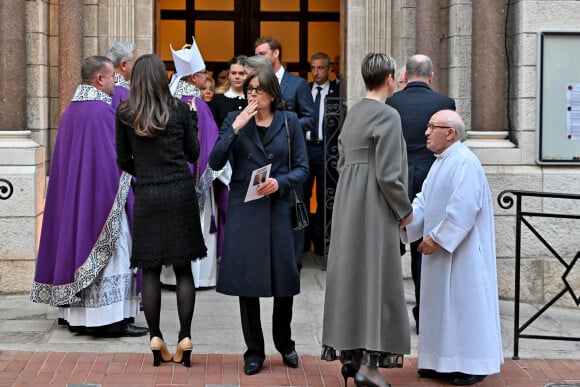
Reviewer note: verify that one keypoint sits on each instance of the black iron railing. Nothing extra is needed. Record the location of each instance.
(506, 201)
(6, 189)
(333, 115)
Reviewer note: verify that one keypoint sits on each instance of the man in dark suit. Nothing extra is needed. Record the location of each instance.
(416, 103)
(321, 88)
(295, 90)
(296, 93)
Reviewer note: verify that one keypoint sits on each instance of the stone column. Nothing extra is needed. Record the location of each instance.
(119, 20)
(144, 29)
(369, 30)
(70, 54)
(22, 183)
(488, 99)
(427, 34)
(21, 159)
(403, 26)
(488, 66)
(108, 21)
(13, 47)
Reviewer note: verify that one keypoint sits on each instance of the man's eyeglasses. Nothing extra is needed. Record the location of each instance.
(203, 72)
(258, 90)
(432, 127)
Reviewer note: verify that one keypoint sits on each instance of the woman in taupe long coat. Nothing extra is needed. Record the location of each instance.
(365, 315)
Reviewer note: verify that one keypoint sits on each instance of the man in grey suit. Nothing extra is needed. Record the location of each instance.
(416, 103)
(298, 97)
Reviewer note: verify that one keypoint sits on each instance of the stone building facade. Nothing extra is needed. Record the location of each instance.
(485, 56)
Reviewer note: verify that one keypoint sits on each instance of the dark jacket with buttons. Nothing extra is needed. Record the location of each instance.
(416, 103)
(258, 257)
(221, 105)
(298, 97)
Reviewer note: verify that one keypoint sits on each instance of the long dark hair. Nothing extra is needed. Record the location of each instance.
(269, 82)
(147, 108)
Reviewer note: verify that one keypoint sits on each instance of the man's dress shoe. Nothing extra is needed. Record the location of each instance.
(121, 329)
(432, 374)
(462, 379)
(131, 330)
(252, 368)
(290, 359)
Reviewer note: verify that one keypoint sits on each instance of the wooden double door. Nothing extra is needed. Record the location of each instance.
(225, 28)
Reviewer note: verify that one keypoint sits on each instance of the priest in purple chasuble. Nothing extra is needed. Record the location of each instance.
(123, 55)
(121, 91)
(212, 185)
(83, 264)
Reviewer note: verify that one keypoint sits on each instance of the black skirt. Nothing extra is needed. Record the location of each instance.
(166, 226)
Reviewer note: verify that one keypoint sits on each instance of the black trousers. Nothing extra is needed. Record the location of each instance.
(252, 327)
(416, 258)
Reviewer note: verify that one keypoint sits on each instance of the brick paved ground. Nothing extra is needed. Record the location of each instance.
(35, 351)
(21, 368)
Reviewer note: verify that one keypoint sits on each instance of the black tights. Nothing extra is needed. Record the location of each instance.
(185, 292)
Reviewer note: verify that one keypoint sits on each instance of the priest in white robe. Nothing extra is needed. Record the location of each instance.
(459, 335)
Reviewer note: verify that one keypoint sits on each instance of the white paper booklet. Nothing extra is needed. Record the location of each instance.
(258, 176)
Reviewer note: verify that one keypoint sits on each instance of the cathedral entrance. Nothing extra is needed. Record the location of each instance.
(226, 28)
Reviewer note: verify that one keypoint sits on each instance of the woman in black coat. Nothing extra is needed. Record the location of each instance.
(258, 257)
(156, 137)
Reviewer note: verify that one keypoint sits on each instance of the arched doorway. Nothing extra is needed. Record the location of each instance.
(226, 28)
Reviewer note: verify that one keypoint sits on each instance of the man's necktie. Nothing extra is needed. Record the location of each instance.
(314, 132)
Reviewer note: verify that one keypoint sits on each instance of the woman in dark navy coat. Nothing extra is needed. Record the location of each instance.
(258, 257)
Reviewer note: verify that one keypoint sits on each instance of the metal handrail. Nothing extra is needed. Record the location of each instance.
(505, 201)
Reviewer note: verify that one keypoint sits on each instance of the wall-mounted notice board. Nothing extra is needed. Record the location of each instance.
(558, 98)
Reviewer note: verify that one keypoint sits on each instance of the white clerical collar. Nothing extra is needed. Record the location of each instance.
(443, 155)
(186, 89)
(280, 74)
(232, 94)
(120, 80)
(85, 93)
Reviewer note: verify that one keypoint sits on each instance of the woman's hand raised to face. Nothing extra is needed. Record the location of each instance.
(245, 116)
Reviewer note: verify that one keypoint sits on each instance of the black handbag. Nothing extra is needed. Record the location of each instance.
(299, 213)
(299, 210)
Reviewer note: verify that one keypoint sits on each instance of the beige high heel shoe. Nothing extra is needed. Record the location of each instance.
(160, 351)
(183, 352)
